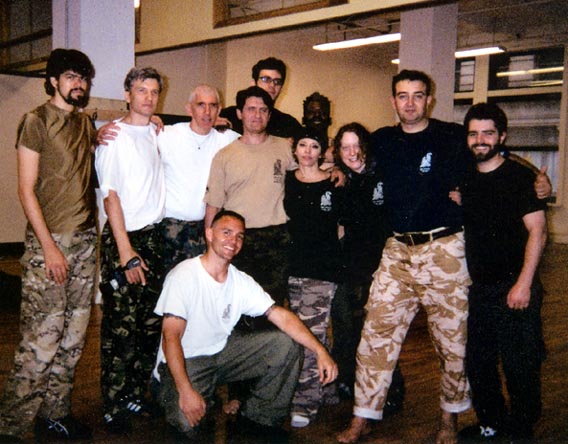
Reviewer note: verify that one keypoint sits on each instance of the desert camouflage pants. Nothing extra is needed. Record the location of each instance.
(432, 275)
(311, 300)
(182, 240)
(53, 325)
(130, 330)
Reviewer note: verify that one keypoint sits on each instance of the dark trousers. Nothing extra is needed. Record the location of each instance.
(130, 330)
(496, 332)
(270, 358)
(264, 256)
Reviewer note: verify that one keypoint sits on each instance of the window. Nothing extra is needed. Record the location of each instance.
(25, 40)
(465, 75)
(234, 12)
(529, 69)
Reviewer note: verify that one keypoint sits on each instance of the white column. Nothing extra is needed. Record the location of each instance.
(428, 44)
(102, 29)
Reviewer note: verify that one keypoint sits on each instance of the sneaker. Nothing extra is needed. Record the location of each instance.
(480, 433)
(299, 420)
(61, 429)
(10, 439)
(119, 423)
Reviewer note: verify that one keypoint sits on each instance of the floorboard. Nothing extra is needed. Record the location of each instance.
(415, 424)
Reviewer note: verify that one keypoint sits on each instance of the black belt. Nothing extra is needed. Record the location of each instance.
(419, 238)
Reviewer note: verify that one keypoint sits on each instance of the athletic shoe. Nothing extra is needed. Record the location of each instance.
(299, 420)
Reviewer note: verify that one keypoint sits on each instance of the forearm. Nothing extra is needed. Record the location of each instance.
(176, 363)
(115, 215)
(533, 252)
(34, 215)
(290, 324)
(210, 212)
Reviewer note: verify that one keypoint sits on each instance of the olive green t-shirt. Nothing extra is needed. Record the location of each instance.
(65, 186)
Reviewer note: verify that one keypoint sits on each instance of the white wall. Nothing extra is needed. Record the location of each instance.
(17, 96)
(357, 82)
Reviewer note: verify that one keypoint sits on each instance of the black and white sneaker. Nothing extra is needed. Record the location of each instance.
(66, 428)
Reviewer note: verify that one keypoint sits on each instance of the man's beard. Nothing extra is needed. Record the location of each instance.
(493, 151)
(81, 100)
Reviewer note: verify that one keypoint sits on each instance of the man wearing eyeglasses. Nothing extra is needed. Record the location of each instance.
(270, 75)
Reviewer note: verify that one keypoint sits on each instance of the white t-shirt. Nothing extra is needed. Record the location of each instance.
(187, 157)
(210, 308)
(130, 165)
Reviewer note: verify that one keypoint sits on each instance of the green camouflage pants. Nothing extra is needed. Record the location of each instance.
(130, 331)
(435, 276)
(53, 324)
(182, 240)
(311, 300)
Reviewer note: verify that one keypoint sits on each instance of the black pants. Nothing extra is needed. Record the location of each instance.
(496, 332)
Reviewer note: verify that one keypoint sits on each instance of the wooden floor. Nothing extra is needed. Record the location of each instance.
(415, 424)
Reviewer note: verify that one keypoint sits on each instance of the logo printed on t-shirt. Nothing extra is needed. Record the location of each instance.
(426, 163)
(278, 171)
(378, 196)
(325, 201)
(227, 313)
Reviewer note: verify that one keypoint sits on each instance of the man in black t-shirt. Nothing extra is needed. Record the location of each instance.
(505, 231)
(423, 264)
(270, 75)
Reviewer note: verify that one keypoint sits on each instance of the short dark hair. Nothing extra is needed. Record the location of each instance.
(360, 131)
(142, 74)
(412, 75)
(227, 213)
(317, 97)
(486, 111)
(269, 63)
(254, 91)
(62, 60)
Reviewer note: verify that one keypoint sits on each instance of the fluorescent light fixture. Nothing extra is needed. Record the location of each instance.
(524, 72)
(479, 51)
(475, 52)
(385, 38)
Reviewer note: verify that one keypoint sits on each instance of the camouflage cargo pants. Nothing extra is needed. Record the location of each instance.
(311, 300)
(53, 324)
(435, 276)
(130, 331)
(182, 240)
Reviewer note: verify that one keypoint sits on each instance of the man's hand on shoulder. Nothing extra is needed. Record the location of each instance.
(107, 132)
(542, 185)
(222, 124)
(338, 177)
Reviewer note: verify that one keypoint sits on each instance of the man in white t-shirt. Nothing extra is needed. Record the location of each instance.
(202, 300)
(187, 152)
(131, 180)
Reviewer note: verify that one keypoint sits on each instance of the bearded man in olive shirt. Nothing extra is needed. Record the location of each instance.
(55, 174)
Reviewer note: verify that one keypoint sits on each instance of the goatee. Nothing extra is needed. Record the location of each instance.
(80, 101)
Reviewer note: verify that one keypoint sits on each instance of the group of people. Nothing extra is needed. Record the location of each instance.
(211, 233)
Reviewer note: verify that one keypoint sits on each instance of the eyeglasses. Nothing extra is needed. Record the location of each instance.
(268, 80)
